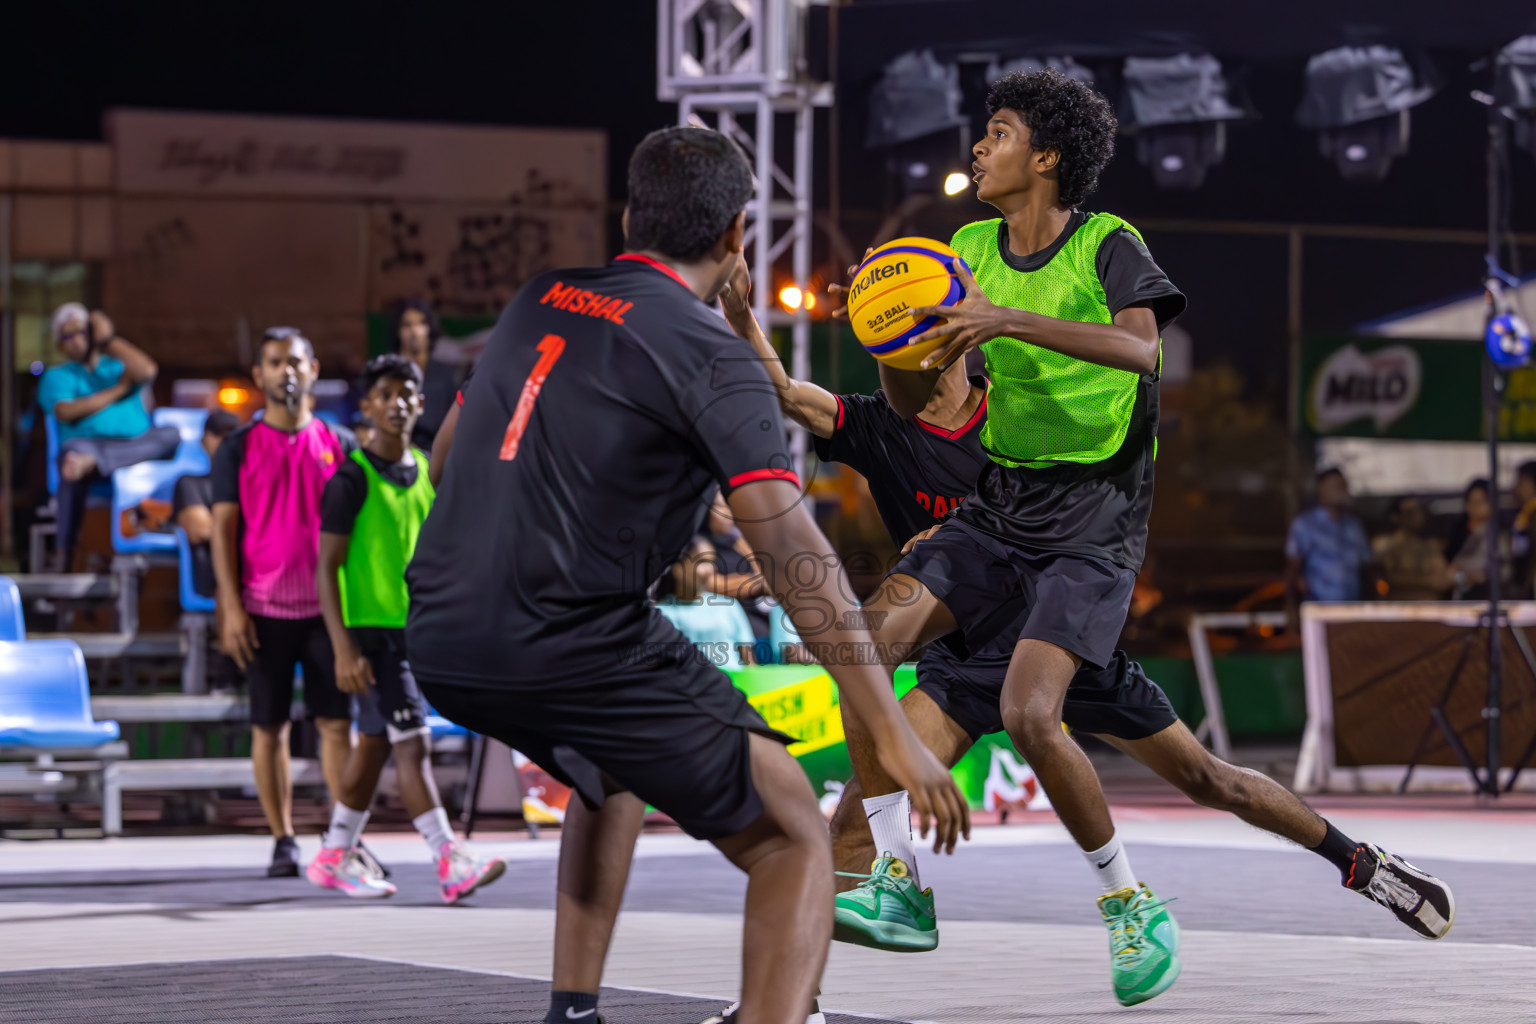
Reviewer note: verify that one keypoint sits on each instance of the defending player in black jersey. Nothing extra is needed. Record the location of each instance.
(609, 405)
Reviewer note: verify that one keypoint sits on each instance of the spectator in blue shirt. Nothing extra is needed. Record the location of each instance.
(1327, 551)
(103, 422)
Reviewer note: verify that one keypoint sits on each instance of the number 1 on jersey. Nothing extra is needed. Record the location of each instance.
(550, 348)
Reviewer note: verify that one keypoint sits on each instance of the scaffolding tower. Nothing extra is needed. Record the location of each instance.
(739, 66)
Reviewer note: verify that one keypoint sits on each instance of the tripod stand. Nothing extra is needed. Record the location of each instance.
(1440, 718)
(1500, 322)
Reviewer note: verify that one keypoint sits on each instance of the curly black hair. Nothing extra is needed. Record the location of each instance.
(1065, 115)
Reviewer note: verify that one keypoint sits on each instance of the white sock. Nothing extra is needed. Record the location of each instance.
(346, 826)
(890, 819)
(434, 828)
(1112, 865)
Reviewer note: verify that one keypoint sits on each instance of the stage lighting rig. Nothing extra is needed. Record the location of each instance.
(1066, 65)
(1514, 89)
(914, 115)
(1177, 109)
(1358, 98)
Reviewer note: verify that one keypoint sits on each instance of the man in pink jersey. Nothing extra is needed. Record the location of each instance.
(268, 477)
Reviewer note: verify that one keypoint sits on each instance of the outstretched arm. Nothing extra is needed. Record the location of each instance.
(809, 405)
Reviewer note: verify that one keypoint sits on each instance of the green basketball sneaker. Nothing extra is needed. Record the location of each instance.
(886, 911)
(1143, 944)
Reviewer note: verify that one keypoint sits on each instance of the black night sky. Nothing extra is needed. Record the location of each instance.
(593, 65)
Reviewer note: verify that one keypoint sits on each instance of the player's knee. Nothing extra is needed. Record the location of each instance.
(410, 753)
(270, 735)
(1032, 732)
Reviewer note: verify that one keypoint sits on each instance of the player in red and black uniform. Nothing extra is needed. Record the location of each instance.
(609, 405)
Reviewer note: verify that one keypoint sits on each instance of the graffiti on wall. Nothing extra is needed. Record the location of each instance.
(470, 260)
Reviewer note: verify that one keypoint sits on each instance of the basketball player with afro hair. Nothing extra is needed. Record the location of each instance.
(1023, 589)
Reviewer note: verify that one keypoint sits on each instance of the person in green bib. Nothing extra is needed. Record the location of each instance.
(371, 513)
(1068, 308)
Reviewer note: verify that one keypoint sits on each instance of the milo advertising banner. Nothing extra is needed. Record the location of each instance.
(1414, 388)
(802, 701)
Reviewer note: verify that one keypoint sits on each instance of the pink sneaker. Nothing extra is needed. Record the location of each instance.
(345, 870)
(461, 874)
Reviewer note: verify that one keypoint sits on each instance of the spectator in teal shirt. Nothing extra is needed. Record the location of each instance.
(103, 423)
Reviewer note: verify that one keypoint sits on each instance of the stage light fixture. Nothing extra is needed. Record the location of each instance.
(1177, 109)
(1029, 65)
(790, 297)
(1514, 89)
(915, 97)
(956, 182)
(1358, 98)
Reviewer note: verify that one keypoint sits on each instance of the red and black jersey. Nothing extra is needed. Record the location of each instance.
(917, 472)
(608, 406)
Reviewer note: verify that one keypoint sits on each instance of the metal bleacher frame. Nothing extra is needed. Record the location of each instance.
(1214, 725)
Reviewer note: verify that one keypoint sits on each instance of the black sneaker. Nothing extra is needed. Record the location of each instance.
(370, 861)
(727, 1015)
(285, 859)
(1420, 900)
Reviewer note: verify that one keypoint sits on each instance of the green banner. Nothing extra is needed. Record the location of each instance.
(802, 700)
(1413, 388)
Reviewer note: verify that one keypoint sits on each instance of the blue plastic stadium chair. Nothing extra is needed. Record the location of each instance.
(44, 698)
(441, 727)
(157, 479)
(191, 600)
(99, 489)
(12, 625)
(189, 422)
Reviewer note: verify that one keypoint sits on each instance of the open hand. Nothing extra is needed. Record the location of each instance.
(931, 789)
(968, 323)
(840, 291)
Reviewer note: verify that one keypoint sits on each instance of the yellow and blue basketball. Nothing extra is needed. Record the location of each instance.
(891, 281)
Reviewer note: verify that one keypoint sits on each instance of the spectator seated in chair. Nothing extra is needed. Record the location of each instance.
(103, 423)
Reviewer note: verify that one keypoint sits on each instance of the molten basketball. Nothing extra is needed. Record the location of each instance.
(896, 277)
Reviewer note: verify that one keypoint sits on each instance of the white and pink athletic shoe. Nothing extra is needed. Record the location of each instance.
(346, 871)
(460, 873)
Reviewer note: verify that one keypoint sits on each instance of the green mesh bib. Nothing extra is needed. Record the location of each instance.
(373, 591)
(1044, 407)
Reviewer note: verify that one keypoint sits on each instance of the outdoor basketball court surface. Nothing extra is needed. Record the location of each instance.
(188, 929)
